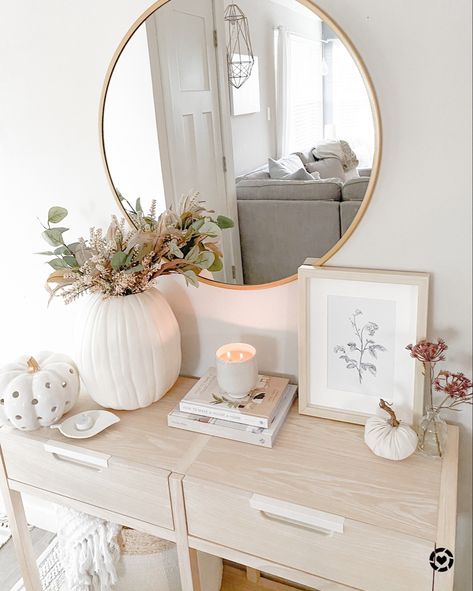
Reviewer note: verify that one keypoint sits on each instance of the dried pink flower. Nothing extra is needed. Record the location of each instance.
(455, 385)
(428, 352)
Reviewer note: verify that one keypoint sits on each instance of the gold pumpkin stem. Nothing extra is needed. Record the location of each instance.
(387, 407)
(33, 365)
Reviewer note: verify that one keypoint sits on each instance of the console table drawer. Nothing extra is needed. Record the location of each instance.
(349, 552)
(71, 471)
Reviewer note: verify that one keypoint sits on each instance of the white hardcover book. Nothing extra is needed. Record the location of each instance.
(236, 431)
(258, 409)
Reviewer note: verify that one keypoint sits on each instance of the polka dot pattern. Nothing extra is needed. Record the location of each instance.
(32, 398)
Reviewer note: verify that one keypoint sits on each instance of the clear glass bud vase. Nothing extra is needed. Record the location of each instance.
(432, 434)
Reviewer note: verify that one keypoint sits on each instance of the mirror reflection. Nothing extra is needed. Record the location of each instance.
(257, 106)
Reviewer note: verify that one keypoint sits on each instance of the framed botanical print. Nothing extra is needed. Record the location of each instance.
(354, 326)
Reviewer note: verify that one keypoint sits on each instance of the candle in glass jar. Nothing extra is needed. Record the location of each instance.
(237, 369)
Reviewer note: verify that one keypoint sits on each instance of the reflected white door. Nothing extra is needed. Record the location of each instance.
(184, 64)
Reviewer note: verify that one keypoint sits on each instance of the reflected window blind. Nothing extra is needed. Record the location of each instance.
(349, 116)
(305, 122)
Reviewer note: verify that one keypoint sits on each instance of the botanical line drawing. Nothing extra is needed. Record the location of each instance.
(361, 347)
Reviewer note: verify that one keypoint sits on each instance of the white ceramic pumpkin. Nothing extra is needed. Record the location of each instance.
(129, 350)
(388, 437)
(36, 391)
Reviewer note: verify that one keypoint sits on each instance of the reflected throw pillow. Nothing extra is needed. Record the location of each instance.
(328, 168)
(278, 169)
(300, 175)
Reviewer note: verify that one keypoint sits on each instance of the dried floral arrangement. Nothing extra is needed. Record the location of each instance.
(456, 388)
(126, 261)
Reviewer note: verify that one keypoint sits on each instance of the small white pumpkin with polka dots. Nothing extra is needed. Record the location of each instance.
(36, 391)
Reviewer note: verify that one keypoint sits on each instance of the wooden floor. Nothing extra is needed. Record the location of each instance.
(9, 570)
(238, 579)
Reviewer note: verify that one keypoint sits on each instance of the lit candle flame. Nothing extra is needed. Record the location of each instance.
(235, 356)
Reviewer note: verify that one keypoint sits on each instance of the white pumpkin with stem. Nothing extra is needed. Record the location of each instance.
(36, 391)
(388, 437)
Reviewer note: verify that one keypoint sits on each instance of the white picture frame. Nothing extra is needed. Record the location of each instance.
(354, 326)
(247, 99)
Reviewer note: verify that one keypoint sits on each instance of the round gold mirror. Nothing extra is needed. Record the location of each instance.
(263, 108)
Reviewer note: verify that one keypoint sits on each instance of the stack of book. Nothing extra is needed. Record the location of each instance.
(255, 419)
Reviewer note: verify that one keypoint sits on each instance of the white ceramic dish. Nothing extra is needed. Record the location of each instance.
(86, 424)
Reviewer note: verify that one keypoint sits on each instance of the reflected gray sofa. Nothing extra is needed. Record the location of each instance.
(284, 222)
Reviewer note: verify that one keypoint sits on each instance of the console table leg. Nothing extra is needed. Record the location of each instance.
(188, 565)
(20, 533)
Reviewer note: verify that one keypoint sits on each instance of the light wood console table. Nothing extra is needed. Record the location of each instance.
(318, 509)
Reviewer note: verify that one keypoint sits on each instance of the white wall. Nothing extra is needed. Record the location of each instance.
(130, 131)
(54, 56)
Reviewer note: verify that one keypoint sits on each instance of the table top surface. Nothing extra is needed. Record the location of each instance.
(315, 462)
(142, 436)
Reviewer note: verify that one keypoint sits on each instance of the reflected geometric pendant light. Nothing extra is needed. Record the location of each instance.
(240, 57)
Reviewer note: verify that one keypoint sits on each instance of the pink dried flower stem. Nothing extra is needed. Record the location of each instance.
(456, 386)
(429, 354)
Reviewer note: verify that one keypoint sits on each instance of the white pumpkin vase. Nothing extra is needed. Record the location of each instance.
(129, 352)
(36, 391)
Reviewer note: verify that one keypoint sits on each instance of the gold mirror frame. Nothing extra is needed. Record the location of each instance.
(377, 125)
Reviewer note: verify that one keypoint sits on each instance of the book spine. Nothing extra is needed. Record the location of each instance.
(261, 439)
(215, 413)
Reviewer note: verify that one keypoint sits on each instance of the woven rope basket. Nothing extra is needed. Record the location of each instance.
(135, 543)
(150, 564)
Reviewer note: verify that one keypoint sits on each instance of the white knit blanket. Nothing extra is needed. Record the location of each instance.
(89, 550)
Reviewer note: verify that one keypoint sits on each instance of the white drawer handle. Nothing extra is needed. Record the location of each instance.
(77, 455)
(324, 523)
